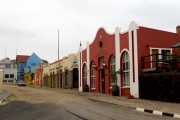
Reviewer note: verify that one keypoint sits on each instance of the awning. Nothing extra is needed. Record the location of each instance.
(176, 45)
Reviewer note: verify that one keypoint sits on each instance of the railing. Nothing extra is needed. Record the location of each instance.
(160, 61)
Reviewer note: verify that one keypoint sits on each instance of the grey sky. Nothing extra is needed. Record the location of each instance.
(32, 25)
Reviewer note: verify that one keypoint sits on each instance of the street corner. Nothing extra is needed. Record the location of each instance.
(3, 103)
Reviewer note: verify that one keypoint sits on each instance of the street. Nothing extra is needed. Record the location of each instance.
(31, 103)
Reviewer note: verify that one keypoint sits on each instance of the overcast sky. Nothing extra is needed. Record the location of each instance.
(28, 26)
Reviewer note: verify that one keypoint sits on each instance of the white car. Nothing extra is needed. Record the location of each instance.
(21, 83)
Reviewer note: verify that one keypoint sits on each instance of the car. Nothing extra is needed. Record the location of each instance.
(21, 83)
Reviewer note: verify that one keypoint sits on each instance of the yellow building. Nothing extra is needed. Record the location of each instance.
(62, 73)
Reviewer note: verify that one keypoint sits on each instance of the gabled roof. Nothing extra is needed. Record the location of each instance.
(21, 58)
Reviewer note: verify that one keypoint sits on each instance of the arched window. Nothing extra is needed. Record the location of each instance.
(85, 74)
(66, 77)
(112, 66)
(93, 75)
(125, 68)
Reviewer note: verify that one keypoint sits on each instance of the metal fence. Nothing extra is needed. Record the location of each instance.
(160, 87)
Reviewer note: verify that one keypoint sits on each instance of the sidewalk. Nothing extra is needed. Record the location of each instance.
(3, 96)
(154, 107)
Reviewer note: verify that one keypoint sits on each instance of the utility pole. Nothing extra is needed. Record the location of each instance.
(59, 62)
(58, 44)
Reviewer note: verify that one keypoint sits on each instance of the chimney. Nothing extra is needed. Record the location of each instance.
(178, 29)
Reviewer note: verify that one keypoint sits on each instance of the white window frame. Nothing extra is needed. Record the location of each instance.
(93, 77)
(85, 74)
(126, 71)
(112, 67)
(159, 52)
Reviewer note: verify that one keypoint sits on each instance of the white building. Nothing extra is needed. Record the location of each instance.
(9, 70)
(1, 79)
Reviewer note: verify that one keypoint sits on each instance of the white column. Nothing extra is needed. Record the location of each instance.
(134, 88)
(117, 54)
(88, 64)
(80, 67)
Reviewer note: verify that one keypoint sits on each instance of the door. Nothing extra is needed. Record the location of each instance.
(75, 78)
(154, 51)
(102, 79)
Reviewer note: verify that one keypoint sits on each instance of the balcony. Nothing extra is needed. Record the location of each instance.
(160, 63)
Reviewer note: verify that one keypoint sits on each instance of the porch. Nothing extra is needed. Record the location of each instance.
(157, 63)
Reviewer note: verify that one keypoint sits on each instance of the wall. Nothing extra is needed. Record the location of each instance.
(1, 81)
(56, 69)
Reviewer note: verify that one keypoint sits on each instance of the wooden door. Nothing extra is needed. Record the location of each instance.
(154, 52)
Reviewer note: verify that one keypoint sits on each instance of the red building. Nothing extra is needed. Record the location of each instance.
(122, 50)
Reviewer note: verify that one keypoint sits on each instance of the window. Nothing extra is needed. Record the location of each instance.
(6, 75)
(11, 75)
(93, 76)
(112, 66)
(85, 74)
(165, 54)
(33, 64)
(160, 54)
(8, 66)
(125, 65)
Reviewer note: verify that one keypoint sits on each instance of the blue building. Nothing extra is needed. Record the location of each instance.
(26, 64)
(21, 61)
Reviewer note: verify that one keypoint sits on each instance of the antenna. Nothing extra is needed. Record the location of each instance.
(5, 53)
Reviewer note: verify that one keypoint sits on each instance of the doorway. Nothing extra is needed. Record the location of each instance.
(102, 80)
(75, 78)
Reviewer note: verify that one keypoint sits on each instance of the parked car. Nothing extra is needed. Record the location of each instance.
(21, 83)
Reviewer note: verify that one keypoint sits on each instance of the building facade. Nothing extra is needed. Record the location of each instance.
(1, 81)
(9, 70)
(21, 61)
(62, 73)
(122, 50)
(32, 63)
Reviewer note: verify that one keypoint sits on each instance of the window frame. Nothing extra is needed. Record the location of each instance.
(85, 74)
(112, 67)
(93, 76)
(126, 69)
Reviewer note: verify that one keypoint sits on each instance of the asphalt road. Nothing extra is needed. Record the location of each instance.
(28, 103)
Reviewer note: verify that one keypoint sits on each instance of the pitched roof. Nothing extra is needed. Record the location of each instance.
(176, 45)
(21, 58)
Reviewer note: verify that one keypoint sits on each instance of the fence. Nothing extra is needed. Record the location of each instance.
(160, 87)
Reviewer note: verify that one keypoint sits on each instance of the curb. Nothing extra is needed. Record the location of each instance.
(155, 112)
(158, 112)
(4, 99)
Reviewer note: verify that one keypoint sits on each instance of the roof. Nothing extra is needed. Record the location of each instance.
(176, 45)
(21, 58)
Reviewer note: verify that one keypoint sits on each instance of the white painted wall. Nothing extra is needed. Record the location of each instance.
(117, 53)
(1, 81)
(88, 65)
(134, 86)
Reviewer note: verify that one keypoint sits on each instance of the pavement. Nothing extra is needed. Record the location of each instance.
(3, 96)
(141, 105)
